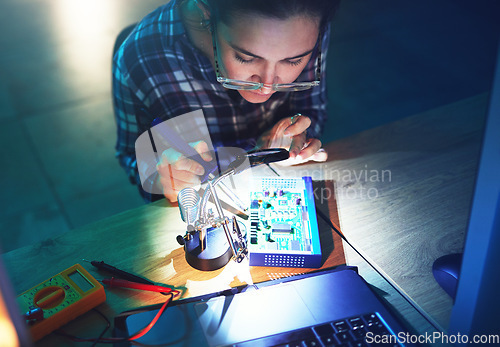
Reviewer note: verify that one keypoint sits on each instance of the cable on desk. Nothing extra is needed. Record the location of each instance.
(78, 339)
(131, 338)
(379, 271)
(272, 169)
(108, 325)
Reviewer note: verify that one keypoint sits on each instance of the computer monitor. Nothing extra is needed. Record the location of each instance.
(476, 310)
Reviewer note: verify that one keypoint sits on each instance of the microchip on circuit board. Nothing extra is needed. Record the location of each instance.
(283, 229)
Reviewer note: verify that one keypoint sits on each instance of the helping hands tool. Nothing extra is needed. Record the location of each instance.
(209, 243)
(204, 243)
(221, 161)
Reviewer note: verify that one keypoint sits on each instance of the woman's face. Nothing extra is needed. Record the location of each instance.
(265, 50)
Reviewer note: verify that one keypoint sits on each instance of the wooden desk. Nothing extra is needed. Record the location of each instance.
(416, 213)
(403, 192)
(143, 241)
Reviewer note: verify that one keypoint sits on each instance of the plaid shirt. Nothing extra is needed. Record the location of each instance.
(157, 71)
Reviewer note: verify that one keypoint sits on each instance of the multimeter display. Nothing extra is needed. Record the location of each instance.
(80, 281)
(62, 298)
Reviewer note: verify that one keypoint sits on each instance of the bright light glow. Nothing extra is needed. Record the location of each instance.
(7, 331)
(85, 29)
(84, 19)
(232, 272)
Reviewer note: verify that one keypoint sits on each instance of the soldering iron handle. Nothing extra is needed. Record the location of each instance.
(177, 142)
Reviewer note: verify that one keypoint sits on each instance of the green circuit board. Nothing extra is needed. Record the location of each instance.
(279, 218)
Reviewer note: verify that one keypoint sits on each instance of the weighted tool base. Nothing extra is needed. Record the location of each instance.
(216, 254)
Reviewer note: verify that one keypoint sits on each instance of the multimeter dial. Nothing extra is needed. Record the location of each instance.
(49, 297)
(52, 296)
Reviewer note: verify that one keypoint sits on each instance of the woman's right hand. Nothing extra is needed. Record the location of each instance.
(291, 133)
(178, 172)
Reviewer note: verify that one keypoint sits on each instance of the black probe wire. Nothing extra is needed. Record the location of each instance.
(113, 340)
(81, 339)
(380, 272)
(108, 325)
(272, 169)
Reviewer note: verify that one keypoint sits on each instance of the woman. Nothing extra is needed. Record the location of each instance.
(251, 66)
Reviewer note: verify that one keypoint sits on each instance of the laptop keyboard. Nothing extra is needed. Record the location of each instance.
(350, 332)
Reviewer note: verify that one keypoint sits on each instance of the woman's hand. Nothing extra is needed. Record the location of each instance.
(178, 172)
(290, 133)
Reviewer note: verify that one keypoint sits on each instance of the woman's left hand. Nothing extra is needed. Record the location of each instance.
(290, 133)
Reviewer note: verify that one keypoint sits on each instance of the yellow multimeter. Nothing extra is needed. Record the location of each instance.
(61, 298)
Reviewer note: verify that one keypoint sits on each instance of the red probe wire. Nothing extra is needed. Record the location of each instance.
(114, 282)
(148, 327)
(133, 337)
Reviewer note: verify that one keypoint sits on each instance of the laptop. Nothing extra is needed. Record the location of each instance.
(333, 307)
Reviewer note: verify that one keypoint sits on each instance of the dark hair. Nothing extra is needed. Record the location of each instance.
(227, 10)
